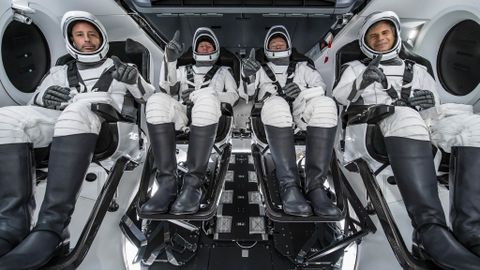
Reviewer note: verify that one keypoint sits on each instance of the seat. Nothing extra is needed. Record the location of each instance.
(341, 193)
(117, 150)
(219, 158)
(363, 151)
(265, 167)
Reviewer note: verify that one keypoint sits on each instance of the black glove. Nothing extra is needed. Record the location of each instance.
(250, 64)
(373, 74)
(54, 96)
(124, 73)
(291, 91)
(423, 99)
(186, 96)
(174, 49)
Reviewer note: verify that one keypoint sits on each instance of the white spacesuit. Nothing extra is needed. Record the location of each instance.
(59, 115)
(292, 91)
(201, 88)
(384, 78)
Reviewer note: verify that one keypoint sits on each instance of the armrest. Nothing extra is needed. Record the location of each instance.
(227, 109)
(106, 111)
(369, 114)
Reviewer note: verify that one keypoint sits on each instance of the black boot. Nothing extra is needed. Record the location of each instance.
(16, 198)
(162, 138)
(70, 157)
(412, 165)
(200, 145)
(282, 148)
(319, 150)
(465, 196)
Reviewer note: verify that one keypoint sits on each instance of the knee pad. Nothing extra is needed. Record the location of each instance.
(160, 109)
(457, 130)
(27, 124)
(276, 112)
(77, 118)
(12, 126)
(321, 112)
(206, 111)
(407, 123)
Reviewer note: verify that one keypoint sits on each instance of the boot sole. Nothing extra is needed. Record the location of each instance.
(59, 251)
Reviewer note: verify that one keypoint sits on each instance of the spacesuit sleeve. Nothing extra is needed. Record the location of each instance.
(142, 90)
(248, 86)
(312, 78)
(311, 82)
(51, 78)
(426, 82)
(169, 75)
(230, 95)
(345, 92)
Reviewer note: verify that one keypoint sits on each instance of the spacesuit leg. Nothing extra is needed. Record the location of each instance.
(278, 128)
(411, 159)
(21, 127)
(16, 197)
(465, 196)
(205, 116)
(160, 113)
(321, 118)
(71, 152)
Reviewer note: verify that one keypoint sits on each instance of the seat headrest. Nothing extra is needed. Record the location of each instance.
(129, 51)
(351, 52)
(297, 56)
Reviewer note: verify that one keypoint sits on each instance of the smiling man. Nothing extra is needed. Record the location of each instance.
(385, 78)
(59, 115)
(85, 37)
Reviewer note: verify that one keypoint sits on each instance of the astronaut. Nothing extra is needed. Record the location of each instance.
(59, 114)
(191, 92)
(293, 95)
(384, 78)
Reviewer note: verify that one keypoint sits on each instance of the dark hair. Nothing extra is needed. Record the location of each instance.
(390, 23)
(207, 39)
(278, 35)
(71, 25)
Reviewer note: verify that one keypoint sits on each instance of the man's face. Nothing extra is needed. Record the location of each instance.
(277, 44)
(205, 47)
(380, 37)
(85, 37)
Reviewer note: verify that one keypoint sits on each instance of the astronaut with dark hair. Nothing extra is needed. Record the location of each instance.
(59, 115)
(293, 96)
(191, 99)
(384, 78)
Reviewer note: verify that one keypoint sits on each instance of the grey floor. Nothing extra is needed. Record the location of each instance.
(108, 249)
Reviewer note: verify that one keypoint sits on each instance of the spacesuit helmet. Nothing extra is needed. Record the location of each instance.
(273, 32)
(205, 34)
(390, 18)
(69, 20)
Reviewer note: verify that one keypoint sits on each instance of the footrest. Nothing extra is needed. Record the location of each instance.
(264, 168)
(208, 206)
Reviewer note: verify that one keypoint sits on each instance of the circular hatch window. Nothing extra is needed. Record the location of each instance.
(25, 54)
(459, 58)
